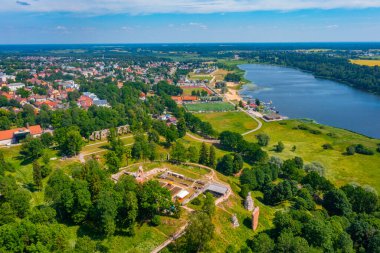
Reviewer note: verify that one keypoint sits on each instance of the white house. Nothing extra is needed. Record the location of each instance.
(15, 86)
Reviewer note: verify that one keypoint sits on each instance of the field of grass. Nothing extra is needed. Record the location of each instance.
(238, 122)
(193, 76)
(370, 63)
(340, 168)
(210, 107)
(188, 90)
(220, 74)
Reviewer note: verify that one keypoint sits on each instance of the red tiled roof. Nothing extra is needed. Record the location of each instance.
(189, 98)
(177, 98)
(8, 134)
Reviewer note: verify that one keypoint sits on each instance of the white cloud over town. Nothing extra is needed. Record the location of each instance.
(135, 7)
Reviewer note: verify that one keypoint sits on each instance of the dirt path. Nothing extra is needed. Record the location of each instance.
(201, 139)
(81, 156)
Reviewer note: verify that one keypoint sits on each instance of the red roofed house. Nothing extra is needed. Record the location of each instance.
(142, 96)
(177, 99)
(85, 102)
(14, 136)
(189, 98)
(49, 103)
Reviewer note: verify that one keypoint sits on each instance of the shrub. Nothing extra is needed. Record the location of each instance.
(303, 127)
(315, 166)
(315, 131)
(45, 171)
(360, 149)
(332, 135)
(279, 147)
(350, 150)
(262, 139)
(196, 202)
(327, 146)
(156, 221)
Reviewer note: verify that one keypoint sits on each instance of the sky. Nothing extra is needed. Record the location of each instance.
(184, 21)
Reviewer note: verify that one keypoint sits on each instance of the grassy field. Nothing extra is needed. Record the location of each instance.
(210, 107)
(220, 74)
(370, 63)
(340, 168)
(188, 90)
(193, 76)
(238, 122)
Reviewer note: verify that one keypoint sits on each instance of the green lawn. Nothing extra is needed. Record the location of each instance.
(238, 122)
(188, 91)
(341, 169)
(210, 107)
(193, 76)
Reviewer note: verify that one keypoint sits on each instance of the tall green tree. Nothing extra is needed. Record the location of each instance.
(209, 204)
(336, 202)
(106, 212)
(37, 175)
(203, 154)
(212, 157)
(32, 148)
(197, 235)
(178, 152)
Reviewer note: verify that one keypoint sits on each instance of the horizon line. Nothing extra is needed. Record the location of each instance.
(174, 43)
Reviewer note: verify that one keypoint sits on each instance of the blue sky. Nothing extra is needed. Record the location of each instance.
(171, 21)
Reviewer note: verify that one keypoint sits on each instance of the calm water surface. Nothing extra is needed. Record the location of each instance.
(297, 94)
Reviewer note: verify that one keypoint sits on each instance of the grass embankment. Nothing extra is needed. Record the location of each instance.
(340, 168)
(210, 107)
(370, 63)
(238, 122)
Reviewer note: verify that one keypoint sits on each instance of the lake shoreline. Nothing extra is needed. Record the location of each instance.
(360, 115)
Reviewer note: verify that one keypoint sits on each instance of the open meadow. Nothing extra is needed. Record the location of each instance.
(187, 90)
(340, 168)
(238, 122)
(210, 107)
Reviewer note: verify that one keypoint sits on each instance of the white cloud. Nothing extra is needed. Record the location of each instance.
(61, 28)
(199, 25)
(332, 27)
(126, 28)
(178, 6)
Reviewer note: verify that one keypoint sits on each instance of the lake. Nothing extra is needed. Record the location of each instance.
(298, 94)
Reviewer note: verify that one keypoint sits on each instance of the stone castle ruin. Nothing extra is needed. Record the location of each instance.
(255, 218)
(248, 203)
(235, 221)
(102, 134)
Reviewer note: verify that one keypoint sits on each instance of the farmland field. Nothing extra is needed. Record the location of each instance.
(370, 63)
(210, 107)
(238, 122)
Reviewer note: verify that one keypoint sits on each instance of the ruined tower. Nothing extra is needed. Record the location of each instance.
(255, 218)
(248, 203)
